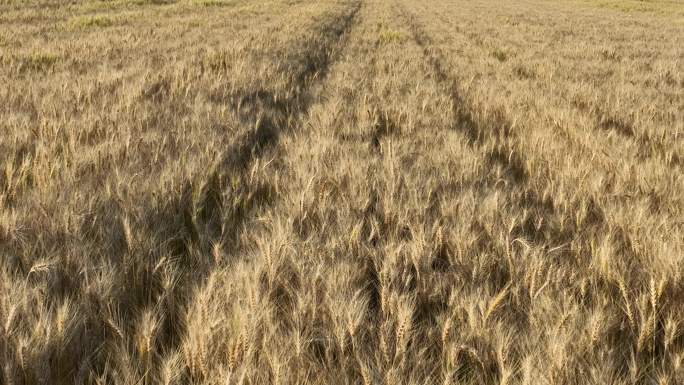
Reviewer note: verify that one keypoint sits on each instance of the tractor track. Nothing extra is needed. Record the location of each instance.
(492, 135)
(272, 117)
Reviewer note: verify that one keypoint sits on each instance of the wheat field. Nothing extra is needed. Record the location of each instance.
(341, 192)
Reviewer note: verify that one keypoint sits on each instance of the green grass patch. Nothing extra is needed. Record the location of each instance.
(388, 36)
(660, 7)
(85, 22)
(37, 61)
(212, 3)
(152, 2)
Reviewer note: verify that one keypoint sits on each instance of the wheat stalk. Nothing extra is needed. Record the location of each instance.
(402, 331)
(21, 355)
(625, 297)
(445, 333)
(365, 375)
(236, 353)
(128, 233)
(40, 267)
(115, 328)
(495, 303)
(595, 329)
(384, 347)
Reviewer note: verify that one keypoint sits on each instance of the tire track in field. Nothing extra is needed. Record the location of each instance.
(582, 231)
(272, 116)
(545, 227)
(212, 208)
(603, 121)
(493, 134)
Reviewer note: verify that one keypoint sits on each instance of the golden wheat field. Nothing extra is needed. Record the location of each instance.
(342, 192)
